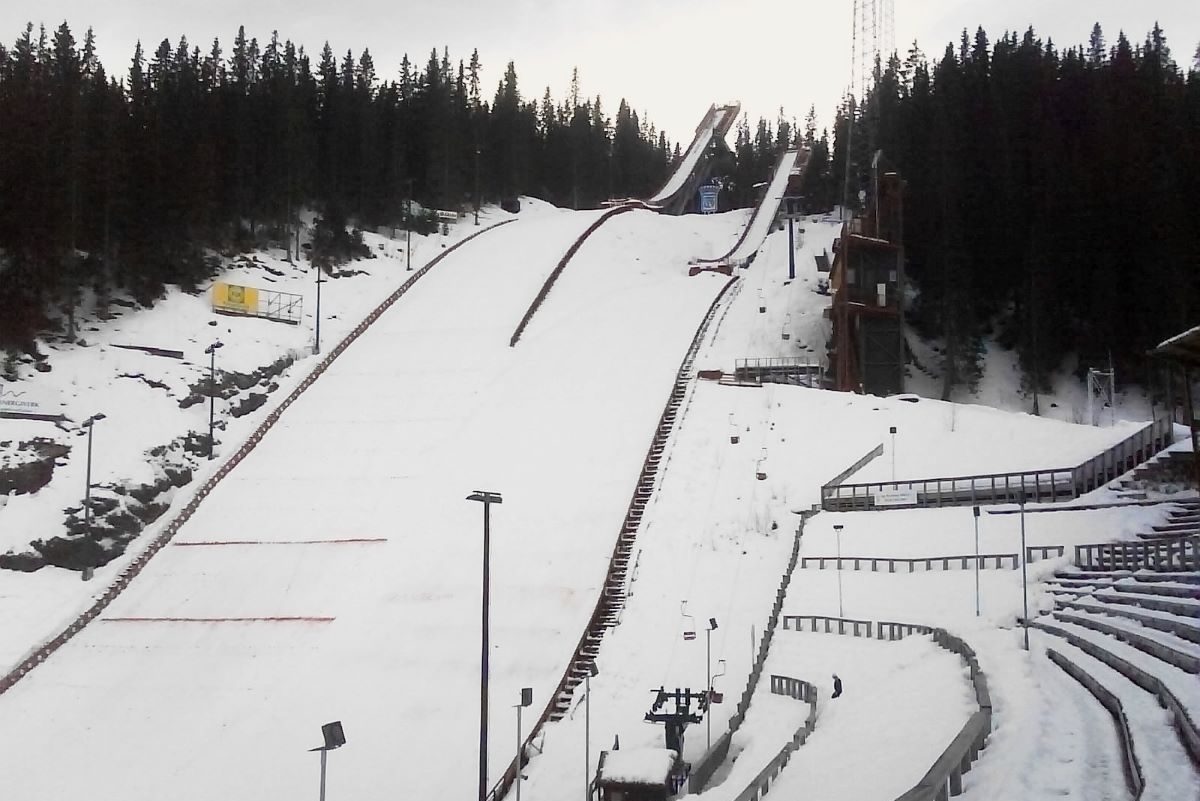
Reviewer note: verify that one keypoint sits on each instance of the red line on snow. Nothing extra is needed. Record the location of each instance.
(216, 619)
(346, 541)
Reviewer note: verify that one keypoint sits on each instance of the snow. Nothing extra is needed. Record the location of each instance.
(335, 573)
(637, 766)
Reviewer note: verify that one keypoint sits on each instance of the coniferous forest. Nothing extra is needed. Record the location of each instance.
(127, 183)
(1050, 194)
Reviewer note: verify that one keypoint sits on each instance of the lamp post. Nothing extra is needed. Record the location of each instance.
(478, 199)
(334, 738)
(837, 530)
(320, 280)
(89, 424)
(587, 729)
(211, 350)
(487, 499)
(712, 626)
(526, 700)
(976, 511)
(892, 431)
(408, 226)
(1024, 571)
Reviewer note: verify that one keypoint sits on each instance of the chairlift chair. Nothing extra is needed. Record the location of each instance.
(689, 622)
(733, 434)
(761, 466)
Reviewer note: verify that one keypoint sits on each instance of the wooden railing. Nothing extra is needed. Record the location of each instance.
(1189, 734)
(1169, 554)
(945, 776)
(706, 766)
(875, 564)
(1038, 486)
(802, 691)
(167, 533)
(1134, 780)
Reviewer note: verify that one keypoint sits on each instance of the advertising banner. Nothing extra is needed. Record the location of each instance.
(25, 399)
(235, 299)
(708, 198)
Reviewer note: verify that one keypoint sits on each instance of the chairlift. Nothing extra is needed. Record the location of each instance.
(734, 438)
(715, 697)
(762, 303)
(689, 622)
(787, 320)
(761, 466)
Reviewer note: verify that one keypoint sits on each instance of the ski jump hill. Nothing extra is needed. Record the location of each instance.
(694, 168)
(328, 567)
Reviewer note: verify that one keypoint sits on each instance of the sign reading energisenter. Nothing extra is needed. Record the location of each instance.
(22, 399)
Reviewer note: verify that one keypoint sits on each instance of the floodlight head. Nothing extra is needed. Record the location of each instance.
(837, 526)
(484, 496)
(593, 670)
(214, 346)
(976, 510)
(526, 696)
(333, 735)
(94, 418)
(892, 430)
(712, 624)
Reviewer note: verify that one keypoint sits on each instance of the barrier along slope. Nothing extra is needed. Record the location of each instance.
(130, 571)
(611, 600)
(562, 264)
(693, 168)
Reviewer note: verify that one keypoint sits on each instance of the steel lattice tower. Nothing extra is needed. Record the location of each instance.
(873, 38)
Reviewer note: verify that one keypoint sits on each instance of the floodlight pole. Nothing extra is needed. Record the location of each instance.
(211, 350)
(791, 247)
(487, 499)
(478, 199)
(976, 511)
(837, 530)
(317, 346)
(408, 226)
(892, 431)
(324, 752)
(587, 733)
(526, 699)
(712, 625)
(87, 489)
(1024, 571)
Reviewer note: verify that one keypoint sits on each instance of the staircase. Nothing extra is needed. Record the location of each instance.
(611, 603)
(1132, 637)
(1167, 473)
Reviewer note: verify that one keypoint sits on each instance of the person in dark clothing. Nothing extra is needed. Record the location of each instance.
(837, 686)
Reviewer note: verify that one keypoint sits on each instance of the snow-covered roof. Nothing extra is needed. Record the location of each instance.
(1184, 348)
(637, 766)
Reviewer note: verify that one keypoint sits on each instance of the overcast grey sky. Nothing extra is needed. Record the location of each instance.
(668, 57)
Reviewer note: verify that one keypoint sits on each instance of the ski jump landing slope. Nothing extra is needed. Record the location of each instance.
(791, 162)
(715, 125)
(334, 574)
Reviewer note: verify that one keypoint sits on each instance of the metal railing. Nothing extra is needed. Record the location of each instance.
(1038, 486)
(873, 563)
(775, 370)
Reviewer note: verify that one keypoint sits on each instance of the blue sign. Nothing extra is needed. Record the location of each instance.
(708, 198)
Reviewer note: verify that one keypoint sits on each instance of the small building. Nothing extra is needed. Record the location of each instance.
(637, 774)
